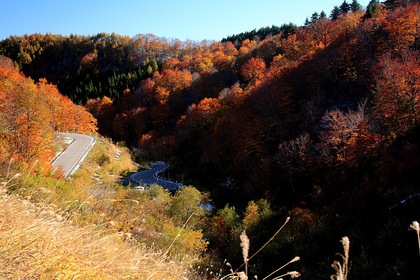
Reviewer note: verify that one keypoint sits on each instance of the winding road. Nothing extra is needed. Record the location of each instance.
(149, 177)
(70, 159)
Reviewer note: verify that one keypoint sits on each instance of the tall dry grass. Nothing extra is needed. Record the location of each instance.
(38, 242)
(342, 268)
(244, 275)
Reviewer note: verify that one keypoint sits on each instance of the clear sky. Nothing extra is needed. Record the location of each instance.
(183, 19)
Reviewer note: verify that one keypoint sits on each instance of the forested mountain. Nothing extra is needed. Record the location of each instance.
(86, 67)
(321, 125)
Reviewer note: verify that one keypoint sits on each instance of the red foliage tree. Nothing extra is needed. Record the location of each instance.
(398, 90)
(402, 27)
(346, 137)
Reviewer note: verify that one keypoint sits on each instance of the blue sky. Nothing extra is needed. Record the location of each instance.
(183, 19)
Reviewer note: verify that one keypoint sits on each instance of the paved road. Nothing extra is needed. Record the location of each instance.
(150, 176)
(70, 158)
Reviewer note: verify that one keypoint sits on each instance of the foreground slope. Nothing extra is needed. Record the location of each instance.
(37, 242)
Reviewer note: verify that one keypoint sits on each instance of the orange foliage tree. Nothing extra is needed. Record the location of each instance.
(29, 115)
(103, 110)
(253, 69)
(402, 27)
(171, 63)
(202, 62)
(222, 61)
(204, 111)
(174, 81)
(65, 115)
(25, 132)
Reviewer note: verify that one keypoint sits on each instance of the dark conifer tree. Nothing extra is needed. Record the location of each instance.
(314, 17)
(344, 8)
(372, 8)
(355, 6)
(335, 13)
(390, 4)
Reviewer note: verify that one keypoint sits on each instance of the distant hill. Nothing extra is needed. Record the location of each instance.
(86, 67)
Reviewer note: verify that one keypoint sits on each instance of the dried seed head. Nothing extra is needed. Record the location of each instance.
(230, 267)
(415, 226)
(242, 275)
(293, 274)
(295, 259)
(346, 245)
(244, 245)
(17, 175)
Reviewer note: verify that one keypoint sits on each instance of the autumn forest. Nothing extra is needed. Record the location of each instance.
(319, 122)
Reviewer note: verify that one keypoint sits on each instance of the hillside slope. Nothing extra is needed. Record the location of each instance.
(38, 242)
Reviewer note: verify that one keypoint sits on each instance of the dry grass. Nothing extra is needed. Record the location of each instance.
(36, 242)
(105, 163)
(243, 275)
(342, 268)
(71, 229)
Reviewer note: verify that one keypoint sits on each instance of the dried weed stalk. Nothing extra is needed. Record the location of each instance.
(342, 268)
(245, 245)
(416, 227)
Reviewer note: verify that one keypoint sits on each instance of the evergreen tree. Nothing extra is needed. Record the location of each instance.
(323, 15)
(344, 8)
(314, 17)
(390, 4)
(372, 8)
(285, 30)
(335, 13)
(355, 6)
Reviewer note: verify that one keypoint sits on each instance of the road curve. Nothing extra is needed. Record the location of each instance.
(150, 176)
(70, 159)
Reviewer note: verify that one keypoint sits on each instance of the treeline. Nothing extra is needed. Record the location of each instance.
(261, 34)
(288, 29)
(89, 82)
(86, 67)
